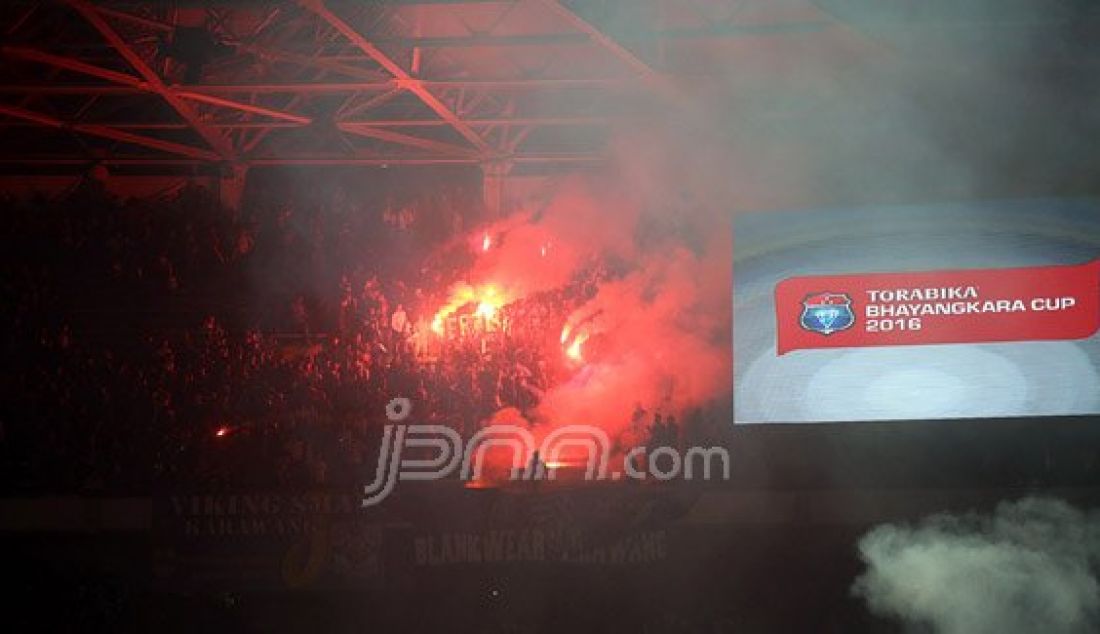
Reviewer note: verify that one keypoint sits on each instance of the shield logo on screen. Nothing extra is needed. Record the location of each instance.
(827, 313)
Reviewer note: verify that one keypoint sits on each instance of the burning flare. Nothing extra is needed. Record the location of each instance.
(489, 302)
(489, 298)
(575, 350)
(577, 330)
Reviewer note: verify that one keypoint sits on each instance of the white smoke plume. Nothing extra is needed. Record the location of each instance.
(1030, 567)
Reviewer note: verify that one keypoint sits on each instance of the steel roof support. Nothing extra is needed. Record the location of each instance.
(108, 132)
(136, 83)
(219, 143)
(599, 37)
(404, 79)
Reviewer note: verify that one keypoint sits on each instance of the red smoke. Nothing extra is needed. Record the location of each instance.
(660, 323)
(661, 346)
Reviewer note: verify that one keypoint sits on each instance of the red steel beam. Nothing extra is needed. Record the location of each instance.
(380, 123)
(219, 143)
(314, 62)
(153, 25)
(473, 84)
(378, 161)
(75, 65)
(125, 80)
(601, 38)
(244, 107)
(369, 131)
(108, 132)
(377, 100)
(259, 51)
(539, 39)
(502, 122)
(554, 38)
(326, 87)
(230, 125)
(387, 161)
(404, 79)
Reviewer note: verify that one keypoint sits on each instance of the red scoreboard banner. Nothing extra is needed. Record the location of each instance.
(938, 307)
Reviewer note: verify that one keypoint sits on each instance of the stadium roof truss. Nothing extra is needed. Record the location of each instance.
(340, 82)
(161, 84)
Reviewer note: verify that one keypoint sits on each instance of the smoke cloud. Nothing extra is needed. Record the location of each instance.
(1029, 567)
(854, 108)
(656, 331)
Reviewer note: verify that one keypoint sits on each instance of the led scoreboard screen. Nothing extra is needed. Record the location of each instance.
(911, 313)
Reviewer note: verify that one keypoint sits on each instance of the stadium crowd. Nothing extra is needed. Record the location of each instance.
(176, 343)
(172, 343)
